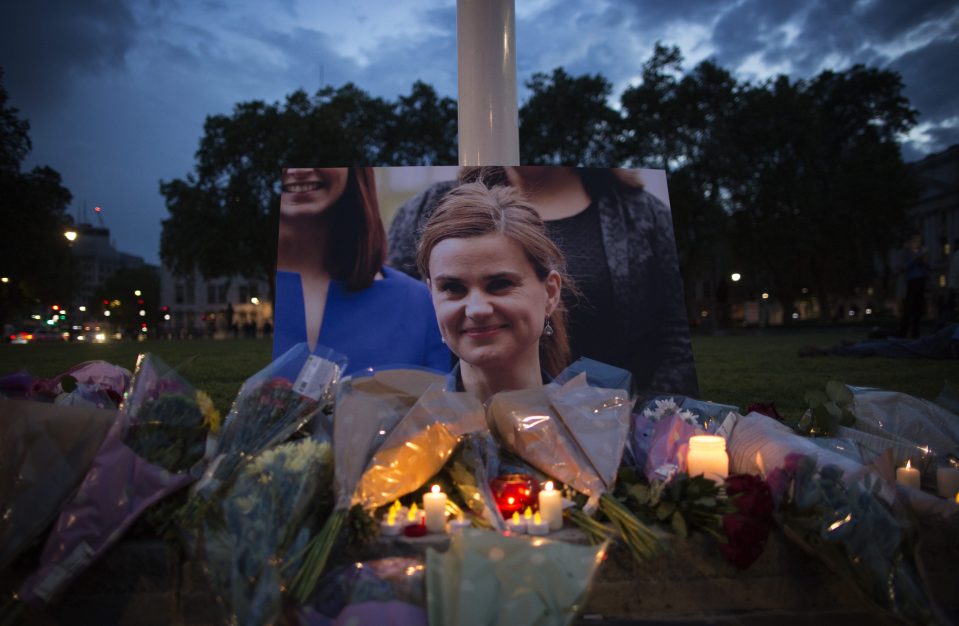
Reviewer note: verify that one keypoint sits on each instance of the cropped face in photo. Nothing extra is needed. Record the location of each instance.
(309, 190)
(490, 304)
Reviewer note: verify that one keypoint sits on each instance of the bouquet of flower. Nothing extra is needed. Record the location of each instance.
(153, 448)
(45, 451)
(267, 516)
(576, 434)
(488, 578)
(268, 409)
(419, 445)
(660, 438)
(849, 526)
(474, 464)
(747, 526)
(368, 408)
(387, 592)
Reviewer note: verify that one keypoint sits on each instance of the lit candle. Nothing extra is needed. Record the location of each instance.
(515, 524)
(537, 526)
(389, 527)
(551, 506)
(435, 505)
(947, 479)
(707, 456)
(908, 475)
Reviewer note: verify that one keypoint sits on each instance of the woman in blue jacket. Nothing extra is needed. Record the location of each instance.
(332, 288)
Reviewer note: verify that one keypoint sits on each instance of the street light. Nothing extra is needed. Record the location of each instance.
(4, 279)
(138, 293)
(254, 300)
(71, 235)
(735, 276)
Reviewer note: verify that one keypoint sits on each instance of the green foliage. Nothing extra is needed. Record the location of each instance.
(568, 121)
(34, 218)
(827, 410)
(234, 189)
(684, 504)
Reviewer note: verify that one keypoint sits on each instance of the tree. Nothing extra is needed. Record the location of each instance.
(34, 218)
(568, 121)
(819, 187)
(234, 189)
(120, 291)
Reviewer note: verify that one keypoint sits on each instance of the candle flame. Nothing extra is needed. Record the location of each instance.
(549, 485)
(412, 514)
(528, 513)
(537, 518)
(391, 517)
(511, 500)
(435, 488)
(908, 464)
(396, 506)
(516, 517)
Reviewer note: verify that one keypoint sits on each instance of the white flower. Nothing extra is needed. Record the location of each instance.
(688, 416)
(664, 407)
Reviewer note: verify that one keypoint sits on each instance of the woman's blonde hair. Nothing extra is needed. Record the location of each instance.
(474, 210)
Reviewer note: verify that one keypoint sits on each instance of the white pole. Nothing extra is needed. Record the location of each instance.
(486, 48)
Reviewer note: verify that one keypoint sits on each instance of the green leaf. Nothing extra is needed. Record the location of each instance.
(640, 493)
(679, 525)
(839, 393)
(664, 510)
(815, 397)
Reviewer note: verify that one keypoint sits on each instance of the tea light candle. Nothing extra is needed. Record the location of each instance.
(908, 475)
(551, 506)
(459, 524)
(389, 527)
(947, 480)
(537, 526)
(435, 505)
(707, 456)
(515, 524)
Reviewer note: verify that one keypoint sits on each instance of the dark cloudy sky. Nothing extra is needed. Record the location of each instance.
(117, 92)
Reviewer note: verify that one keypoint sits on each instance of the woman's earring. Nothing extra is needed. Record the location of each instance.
(548, 328)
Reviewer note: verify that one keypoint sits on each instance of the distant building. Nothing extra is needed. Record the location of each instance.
(202, 307)
(936, 214)
(97, 260)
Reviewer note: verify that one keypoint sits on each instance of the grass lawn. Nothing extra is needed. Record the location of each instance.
(739, 368)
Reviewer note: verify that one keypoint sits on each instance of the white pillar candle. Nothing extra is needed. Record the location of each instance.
(707, 456)
(908, 475)
(434, 503)
(551, 506)
(537, 526)
(947, 480)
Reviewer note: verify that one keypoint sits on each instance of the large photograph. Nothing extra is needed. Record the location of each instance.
(475, 271)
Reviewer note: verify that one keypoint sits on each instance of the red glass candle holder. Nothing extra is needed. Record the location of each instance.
(514, 492)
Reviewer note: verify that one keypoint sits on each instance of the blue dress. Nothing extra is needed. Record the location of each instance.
(390, 323)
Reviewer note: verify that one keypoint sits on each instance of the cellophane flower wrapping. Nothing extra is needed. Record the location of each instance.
(271, 406)
(419, 445)
(474, 464)
(254, 540)
(45, 452)
(488, 578)
(368, 407)
(848, 525)
(153, 448)
(572, 432)
(382, 592)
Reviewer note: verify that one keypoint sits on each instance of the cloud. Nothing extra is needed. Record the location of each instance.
(930, 75)
(46, 44)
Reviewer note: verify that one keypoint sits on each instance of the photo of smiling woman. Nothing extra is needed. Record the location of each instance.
(496, 280)
(332, 288)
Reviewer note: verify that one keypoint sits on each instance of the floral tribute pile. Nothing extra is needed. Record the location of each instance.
(305, 503)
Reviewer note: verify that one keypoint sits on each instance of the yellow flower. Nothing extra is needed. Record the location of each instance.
(211, 416)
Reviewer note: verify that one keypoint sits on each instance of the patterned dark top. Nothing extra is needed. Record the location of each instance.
(649, 315)
(591, 317)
